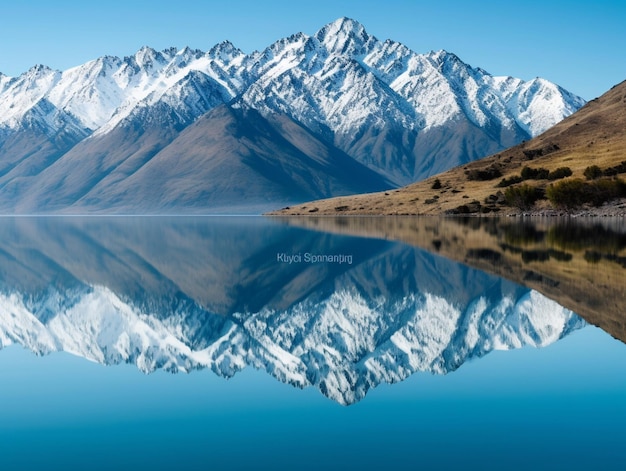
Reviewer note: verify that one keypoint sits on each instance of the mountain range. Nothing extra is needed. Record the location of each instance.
(338, 112)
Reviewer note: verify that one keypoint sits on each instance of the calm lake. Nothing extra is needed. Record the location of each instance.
(313, 343)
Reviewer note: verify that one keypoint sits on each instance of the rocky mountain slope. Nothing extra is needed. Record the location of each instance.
(594, 135)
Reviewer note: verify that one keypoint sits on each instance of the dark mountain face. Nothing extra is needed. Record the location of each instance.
(228, 159)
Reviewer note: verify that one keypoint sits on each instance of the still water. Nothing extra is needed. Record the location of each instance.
(240, 343)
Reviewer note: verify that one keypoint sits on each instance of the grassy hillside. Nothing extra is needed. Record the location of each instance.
(593, 136)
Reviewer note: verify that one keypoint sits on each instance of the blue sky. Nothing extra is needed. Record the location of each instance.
(579, 45)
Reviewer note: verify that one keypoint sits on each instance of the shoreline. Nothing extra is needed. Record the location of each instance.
(615, 208)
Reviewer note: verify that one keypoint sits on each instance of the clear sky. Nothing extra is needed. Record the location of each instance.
(581, 45)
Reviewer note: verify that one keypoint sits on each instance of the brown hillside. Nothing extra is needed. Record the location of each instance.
(594, 135)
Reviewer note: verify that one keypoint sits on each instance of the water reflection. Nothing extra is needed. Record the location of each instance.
(578, 262)
(340, 312)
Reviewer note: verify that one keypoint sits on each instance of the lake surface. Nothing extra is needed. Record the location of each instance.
(247, 342)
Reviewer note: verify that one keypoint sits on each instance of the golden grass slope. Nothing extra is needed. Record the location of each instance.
(594, 135)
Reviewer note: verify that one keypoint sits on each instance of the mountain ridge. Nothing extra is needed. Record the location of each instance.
(388, 108)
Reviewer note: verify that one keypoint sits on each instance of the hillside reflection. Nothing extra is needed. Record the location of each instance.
(312, 308)
(578, 262)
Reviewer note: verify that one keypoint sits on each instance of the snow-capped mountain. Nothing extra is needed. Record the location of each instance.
(185, 295)
(394, 112)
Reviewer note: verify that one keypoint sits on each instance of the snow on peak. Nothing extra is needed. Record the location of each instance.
(345, 36)
(540, 104)
(21, 94)
(39, 69)
(5, 80)
(170, 51)
(187, 52)
(341, 77)
(224, 52)
(442, 56)
(146, 57)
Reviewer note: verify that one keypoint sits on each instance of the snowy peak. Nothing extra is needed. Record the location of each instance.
(192, 96)
(345, 36)
(181, 60)
(24, 92)
(540, 103)
(4, 82)
(444, 59)
(390, 59)
(147, 58)
(90, 92)
(224, 51)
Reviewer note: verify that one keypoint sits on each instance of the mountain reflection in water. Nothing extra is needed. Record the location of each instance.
(340, 312)
(578, 262)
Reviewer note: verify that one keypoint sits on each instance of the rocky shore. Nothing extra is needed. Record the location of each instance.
(615, 208)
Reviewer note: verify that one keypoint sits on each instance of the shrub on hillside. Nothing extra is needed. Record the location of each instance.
(559, 173)
(567, 194)
(605, 190)
(485, 174)
(509, 181)
(592, 172)
(612, 171)
(522, 196)
(529, 173)
(575, 193)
